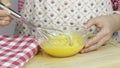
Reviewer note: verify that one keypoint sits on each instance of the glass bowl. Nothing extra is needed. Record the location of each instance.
(62, 45)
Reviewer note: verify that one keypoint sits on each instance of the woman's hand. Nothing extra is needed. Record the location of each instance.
(5, 18)
(107, 24)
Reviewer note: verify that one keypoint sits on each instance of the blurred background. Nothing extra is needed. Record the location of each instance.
(9, 30)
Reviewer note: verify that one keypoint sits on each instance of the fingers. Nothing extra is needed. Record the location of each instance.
(6, 18)
(96, 39)
(4, 23)
(89, 24)
(97, 45)
(6, 2)
(4, 13)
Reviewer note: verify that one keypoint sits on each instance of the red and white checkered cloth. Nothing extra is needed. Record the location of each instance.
(16, 50)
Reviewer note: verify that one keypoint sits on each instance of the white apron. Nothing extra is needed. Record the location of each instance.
(61, 14)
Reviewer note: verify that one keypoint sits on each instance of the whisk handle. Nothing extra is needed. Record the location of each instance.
(14, 14)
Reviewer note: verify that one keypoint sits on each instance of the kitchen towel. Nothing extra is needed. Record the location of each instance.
(15, 51)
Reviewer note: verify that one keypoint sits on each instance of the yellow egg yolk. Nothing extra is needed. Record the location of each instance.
(63, 45)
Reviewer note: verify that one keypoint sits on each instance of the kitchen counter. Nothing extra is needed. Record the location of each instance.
(107, 56)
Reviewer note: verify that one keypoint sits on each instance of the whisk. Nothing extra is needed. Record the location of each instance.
(43, 32)
(16, 15)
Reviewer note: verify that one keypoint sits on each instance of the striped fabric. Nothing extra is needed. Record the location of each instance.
(20, 4)
(116, 4)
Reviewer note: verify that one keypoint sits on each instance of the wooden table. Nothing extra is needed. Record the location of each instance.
(106, 57)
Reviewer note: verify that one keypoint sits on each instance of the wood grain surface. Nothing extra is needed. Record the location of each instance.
(107, 56)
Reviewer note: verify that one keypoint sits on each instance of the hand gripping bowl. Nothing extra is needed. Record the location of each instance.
(62, 45)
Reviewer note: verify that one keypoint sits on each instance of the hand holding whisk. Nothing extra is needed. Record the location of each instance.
(16, 16)
(43, 32)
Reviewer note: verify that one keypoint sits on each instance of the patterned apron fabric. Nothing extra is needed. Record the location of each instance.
(61, 14)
